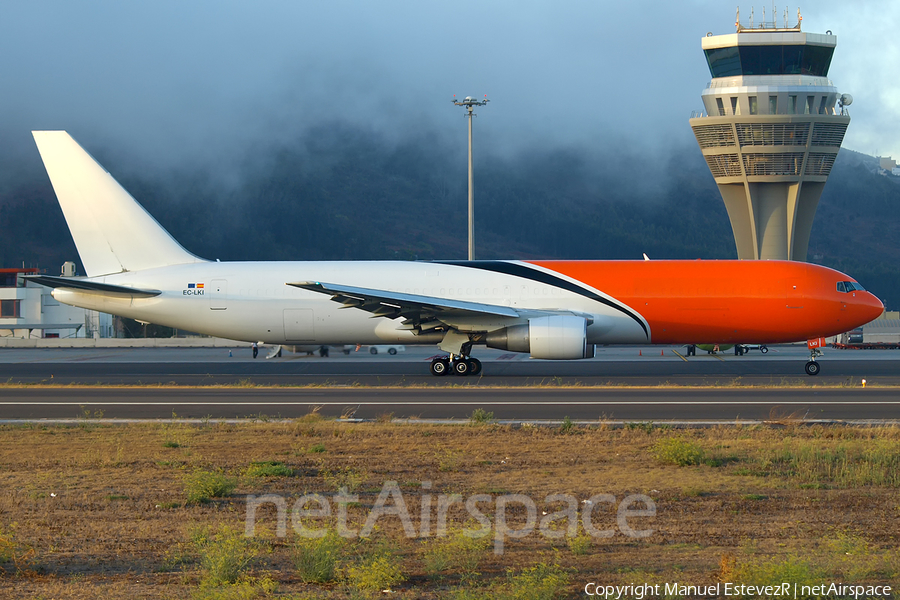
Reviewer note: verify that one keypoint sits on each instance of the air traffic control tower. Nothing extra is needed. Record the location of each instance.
(770, 132)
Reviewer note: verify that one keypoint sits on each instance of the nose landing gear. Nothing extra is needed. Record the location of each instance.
(812, 367)
(815, 346)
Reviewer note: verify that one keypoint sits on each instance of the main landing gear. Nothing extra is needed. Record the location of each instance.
(460, 365)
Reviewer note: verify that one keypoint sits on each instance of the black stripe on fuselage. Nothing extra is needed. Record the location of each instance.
(525, 272)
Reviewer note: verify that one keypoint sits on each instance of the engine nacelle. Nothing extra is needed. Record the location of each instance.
(557, 337)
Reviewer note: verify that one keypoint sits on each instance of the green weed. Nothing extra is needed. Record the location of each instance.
(544, 581)
(316, 448)
(375, 574)
(224, 556)
(346, 478)
(200, 486)
(580, 544)
(319, 560)
(455, 552)
(480, 416)
(677, 451)
(269, 468)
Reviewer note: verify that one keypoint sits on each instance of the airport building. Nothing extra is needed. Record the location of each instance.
(28, 310)
(770, 131)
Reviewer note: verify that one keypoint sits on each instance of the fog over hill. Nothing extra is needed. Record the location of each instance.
(342, 191)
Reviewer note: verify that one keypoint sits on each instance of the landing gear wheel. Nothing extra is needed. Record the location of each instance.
(474, 366)
(373, 350)
(461, 367)
(812, 368)
(392, 351)
(440, 367)
(763, 349)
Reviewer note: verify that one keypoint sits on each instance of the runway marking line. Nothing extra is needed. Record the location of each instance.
(324, 388)
(678, 354)
(478, 403)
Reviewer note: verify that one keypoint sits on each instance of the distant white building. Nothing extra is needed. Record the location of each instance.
(28, 310)
(886, 165)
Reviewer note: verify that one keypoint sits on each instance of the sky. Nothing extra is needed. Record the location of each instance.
(178, 84)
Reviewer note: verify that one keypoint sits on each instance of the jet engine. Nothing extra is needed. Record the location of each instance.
(557, 337)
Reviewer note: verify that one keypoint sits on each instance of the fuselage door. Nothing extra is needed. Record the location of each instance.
(218, 294)
(298, 325)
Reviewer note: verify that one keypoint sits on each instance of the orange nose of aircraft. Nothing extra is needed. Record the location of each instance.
(865, 307)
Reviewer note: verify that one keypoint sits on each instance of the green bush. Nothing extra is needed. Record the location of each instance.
(677, 451)
(319, 560)
(579, 544)
(544, 581)
(269, 468)
(777, 569)
(375, 574)
(242, 590)
(200, 486)
(11, 550)
(225, 556)
(848, 464)
(456, 552)
(346, 478)
(480, 416)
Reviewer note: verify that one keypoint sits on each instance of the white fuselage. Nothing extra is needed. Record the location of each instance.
(252, 301)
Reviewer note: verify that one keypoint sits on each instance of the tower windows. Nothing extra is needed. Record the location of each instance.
(769, 60)
(754, 108)
(720, 106)
(810, 105)
(773, 105)
(792, 104)
(734, 106)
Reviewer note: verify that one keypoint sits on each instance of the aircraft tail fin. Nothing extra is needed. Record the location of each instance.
(113, 233)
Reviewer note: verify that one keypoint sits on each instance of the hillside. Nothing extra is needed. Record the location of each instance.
(341, 192)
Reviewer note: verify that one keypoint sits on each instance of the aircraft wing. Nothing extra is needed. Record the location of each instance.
(419, 312)
(91, 286)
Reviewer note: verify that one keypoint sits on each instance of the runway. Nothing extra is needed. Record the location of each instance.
(522, 404)
(364, 386)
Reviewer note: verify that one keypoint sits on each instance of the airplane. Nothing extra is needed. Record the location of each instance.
(552, 309)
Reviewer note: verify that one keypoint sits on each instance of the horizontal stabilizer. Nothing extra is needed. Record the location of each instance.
(74, 283)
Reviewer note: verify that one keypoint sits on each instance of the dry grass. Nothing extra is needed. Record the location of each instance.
(101, 510)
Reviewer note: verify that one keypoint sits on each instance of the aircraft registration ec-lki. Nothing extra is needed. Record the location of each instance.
(549, 309)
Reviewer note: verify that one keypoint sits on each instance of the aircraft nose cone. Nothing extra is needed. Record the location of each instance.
(868, 306)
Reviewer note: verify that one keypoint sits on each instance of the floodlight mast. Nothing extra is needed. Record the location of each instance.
(470, 104)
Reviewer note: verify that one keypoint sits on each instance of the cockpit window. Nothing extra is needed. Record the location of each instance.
(849, 286)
